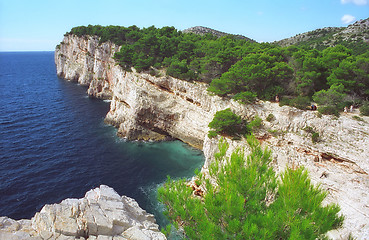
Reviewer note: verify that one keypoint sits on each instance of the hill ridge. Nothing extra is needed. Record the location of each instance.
(201, 30)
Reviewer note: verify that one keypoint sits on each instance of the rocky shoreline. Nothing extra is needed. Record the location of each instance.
(156, 106)
(101, 214)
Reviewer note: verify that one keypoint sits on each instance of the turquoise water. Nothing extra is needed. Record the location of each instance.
(54, 144)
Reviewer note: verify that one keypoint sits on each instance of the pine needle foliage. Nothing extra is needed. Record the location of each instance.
(245, 200)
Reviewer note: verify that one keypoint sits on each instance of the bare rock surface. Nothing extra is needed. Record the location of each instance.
(101, 214)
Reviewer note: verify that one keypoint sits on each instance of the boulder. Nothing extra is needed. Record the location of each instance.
(101, 214)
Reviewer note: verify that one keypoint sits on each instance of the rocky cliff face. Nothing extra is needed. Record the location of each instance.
(157, 107)
(101, 214)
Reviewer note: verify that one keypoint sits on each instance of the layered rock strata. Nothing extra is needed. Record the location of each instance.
(101, 214)
(156, 107)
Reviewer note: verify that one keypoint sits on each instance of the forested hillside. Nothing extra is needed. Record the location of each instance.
(355, 37)
(243, 69)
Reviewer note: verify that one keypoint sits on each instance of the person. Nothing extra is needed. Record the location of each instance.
(313, 107)
(351, 108)
(277, 98)
(345, 110)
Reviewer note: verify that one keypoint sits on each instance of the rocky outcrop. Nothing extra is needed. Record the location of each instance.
(101, 214)
(156, 106)
(205, 30)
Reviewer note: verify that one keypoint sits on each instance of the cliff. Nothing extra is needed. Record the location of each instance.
(101, 214)
(158, 107)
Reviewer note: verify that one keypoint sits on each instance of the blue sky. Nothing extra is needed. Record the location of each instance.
(39, 25)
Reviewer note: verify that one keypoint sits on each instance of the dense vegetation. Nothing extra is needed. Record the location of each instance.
(249, 202)
(227, 123)
(242, 69)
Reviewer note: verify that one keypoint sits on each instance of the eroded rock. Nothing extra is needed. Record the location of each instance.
(101, 214)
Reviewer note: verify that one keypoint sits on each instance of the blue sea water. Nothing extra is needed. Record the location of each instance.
(54, 143)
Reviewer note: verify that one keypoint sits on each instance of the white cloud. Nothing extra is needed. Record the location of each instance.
(356, 2)
(346, 19)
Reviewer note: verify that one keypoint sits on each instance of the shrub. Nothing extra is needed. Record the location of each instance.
(239, 206)
(315, 137)
(357, 118)
(332, 97)
(256, 123)
(228, 123)
(308, 129)
(330, 110)
(212, 134)
(270, 117)
(284, 101)
(364, 109)
(245, 97)
(300, 102)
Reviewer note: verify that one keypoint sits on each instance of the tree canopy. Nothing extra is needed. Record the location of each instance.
(245, 200)
(236, 67)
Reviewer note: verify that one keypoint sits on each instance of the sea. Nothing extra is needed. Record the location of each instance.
(55, 145)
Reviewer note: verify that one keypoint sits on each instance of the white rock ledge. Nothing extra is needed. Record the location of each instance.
(101, 214)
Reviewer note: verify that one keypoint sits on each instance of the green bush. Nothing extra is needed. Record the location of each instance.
(212, 134)
(357, 118)
(334, 96)
(256, 123)
(315, 137)
(364, 109)
(228, 123)
(300, 102)
(270, 117)
(285, 101)
(329, 110)
(245, 97)
(239, 206)
(308, 129)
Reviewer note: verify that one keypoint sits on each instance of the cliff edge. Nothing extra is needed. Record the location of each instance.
(145, 106)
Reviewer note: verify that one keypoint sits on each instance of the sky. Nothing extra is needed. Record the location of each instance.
(39, 25)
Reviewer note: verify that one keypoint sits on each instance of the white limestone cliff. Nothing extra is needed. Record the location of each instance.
(156, 107)
(101, 214)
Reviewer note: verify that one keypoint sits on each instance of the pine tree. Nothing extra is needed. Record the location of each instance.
(245, 200)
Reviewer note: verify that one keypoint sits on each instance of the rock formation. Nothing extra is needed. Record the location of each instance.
(101, 214)
(204, 30)
(156, 107)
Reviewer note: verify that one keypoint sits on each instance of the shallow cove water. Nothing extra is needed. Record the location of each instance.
(54, 144)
